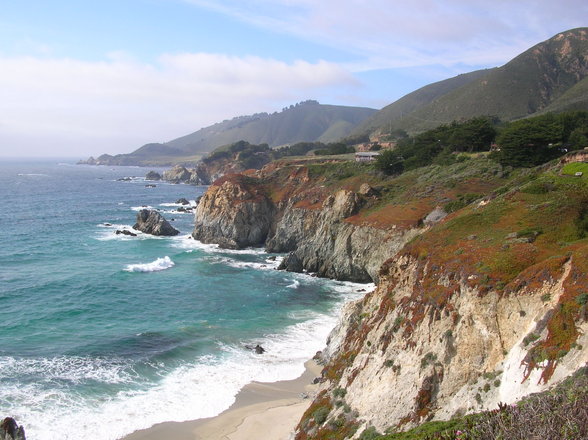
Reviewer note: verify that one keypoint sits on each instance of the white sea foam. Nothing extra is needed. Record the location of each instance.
(295, 284)
(33, 175)
(138, 208)
(177, 205)
(187, 242)
(202, 388)
(107, 232)
(267, 265)
(155, 266)
(68, 368)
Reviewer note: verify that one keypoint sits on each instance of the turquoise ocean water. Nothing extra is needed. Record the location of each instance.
(102, 334)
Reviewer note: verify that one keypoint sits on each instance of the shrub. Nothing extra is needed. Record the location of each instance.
(429, 358)
(461, 202)
(531, 337)
(320, 415)
(389, 162)
(369, 434)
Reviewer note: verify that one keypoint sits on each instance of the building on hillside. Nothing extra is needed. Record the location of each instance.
(366, 156)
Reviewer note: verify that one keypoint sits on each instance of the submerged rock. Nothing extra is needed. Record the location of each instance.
(125, 232)
(152, 222)
(9, 430)
(257, 349)
(182, 201)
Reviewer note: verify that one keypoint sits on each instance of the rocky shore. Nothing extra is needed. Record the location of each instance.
(450, 330)
(238, 211)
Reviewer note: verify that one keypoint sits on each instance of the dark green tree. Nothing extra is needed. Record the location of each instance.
(389, 162)
(530, 142)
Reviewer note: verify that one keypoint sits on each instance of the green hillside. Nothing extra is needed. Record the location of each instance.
(547, 77)
(406, 105)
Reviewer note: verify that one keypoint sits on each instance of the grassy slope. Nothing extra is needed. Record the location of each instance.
(416, 100)
(547, 76)
(575, 98)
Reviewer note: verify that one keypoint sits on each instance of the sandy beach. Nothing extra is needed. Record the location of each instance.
(263, 411)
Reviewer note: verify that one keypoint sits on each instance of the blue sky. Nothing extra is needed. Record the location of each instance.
(80, 78)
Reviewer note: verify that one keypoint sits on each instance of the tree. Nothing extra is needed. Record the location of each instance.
(529, 142)
(389, 162)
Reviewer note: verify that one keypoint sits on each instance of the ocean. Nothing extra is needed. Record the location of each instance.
(103, 334)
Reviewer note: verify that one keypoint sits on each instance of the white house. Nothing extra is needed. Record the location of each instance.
(366, 156)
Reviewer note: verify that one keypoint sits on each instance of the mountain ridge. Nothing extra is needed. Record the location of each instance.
(550, 72)
(307, 121)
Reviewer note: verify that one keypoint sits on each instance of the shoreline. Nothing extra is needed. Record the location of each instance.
(273, 408)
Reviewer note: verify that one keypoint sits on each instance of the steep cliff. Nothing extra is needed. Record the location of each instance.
(481, 306)
(326, 223)
(338, 219)
(486, 307)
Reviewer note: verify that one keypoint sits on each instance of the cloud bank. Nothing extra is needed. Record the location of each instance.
(393, 33)
(119, 104)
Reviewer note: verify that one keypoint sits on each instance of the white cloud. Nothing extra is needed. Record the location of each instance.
(392, 34)
(65, 106)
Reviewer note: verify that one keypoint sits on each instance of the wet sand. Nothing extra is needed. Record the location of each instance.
(262, 411)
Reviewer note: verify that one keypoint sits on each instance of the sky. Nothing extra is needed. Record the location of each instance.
(81, 77)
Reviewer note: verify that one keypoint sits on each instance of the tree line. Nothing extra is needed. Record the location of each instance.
(523, 143)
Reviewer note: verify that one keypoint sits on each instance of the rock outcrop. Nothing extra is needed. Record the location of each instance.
(237, 211)
(153, 175)
(152, 222)
(9, 430)
(404, 359)
(177, 174)
(323, 242)
(234, 214)
(191, 176)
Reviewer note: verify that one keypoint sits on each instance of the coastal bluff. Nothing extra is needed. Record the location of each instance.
(478, 303)
(282, 210)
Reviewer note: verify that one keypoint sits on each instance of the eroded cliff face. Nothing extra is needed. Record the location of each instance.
(234, 214)
(403, 359)
(326, 244)
(488, 306)
(482, 306)
(310, 223)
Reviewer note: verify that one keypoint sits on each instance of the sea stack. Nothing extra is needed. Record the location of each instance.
(152, 222)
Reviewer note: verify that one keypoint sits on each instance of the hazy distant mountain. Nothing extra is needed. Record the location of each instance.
(548, 77)
(307, 121)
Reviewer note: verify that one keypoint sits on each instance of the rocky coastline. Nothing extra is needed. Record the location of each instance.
(444, 334)
(237, 211)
